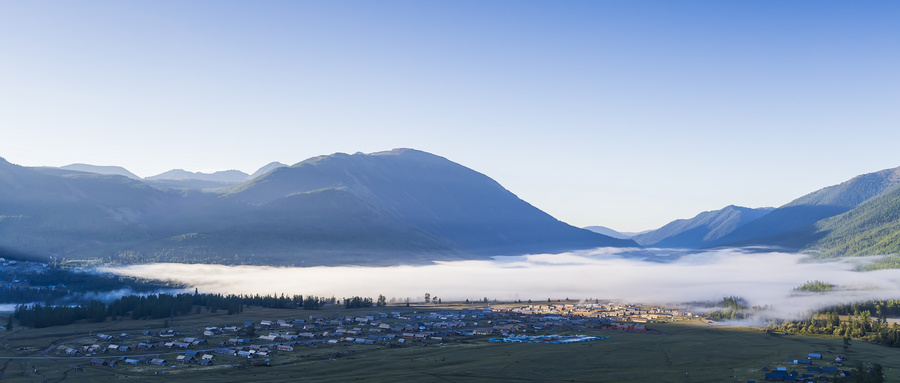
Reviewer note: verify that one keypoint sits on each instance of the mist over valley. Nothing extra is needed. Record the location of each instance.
(764, 278)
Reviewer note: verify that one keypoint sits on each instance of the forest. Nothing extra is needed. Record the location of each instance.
(158, 306)
(866, 321)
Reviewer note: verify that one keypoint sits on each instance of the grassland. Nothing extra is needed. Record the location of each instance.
(682, 352)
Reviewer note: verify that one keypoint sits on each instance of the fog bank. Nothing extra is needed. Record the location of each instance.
(762, 278)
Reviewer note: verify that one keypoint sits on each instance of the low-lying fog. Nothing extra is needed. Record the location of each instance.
(762, 278)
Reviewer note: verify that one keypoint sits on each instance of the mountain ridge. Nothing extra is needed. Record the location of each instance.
(802, 213)
(382, 208)
(703, 229)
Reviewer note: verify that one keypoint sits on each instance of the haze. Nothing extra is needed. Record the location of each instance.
(763, 279)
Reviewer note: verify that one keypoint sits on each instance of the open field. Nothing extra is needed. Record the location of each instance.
(706, 353)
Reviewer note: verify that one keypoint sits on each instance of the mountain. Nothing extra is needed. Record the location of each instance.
(439, 198)
(608, 232)
(265, 169)
(872, 228)
(108, 170)
(792, 225)
(226, 176)
(44, 214)
(705, 228)
(401, 206)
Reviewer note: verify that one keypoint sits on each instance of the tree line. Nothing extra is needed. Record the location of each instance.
(157, 306)
(866, 321)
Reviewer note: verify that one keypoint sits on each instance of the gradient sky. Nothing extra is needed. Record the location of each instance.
(627, 114)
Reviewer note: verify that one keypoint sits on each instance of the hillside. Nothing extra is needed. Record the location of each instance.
(872, 228)
(703, 229)
(791, 225)
(402, 206)
(441, 198)
(44, 215)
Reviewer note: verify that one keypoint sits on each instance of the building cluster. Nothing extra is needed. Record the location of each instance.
(260, 341)
(814, 368)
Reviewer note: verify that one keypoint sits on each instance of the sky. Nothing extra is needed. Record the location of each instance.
(621, 114)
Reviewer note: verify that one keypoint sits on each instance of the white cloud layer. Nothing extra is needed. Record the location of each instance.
(762, 278)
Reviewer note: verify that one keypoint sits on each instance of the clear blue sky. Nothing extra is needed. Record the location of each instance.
(627, 114)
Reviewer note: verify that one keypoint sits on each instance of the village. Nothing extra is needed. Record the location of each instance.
(268, 342)
(257, 344)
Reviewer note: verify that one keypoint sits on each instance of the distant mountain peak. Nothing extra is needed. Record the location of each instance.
(608, 232)
(265, 169)
(108, 170)
(232, 176)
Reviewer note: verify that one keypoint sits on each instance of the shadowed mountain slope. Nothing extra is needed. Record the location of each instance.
(384, 208)
(701, 230)
(791, 224)
(443, 199)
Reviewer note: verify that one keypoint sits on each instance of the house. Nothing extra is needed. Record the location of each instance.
(158, 362)
(284, 347)
(207, 362)
(184, 359)
(72, 352)
(814, 356)
(113, 363)
(104, 337)
(98, 362)
(132, 361)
